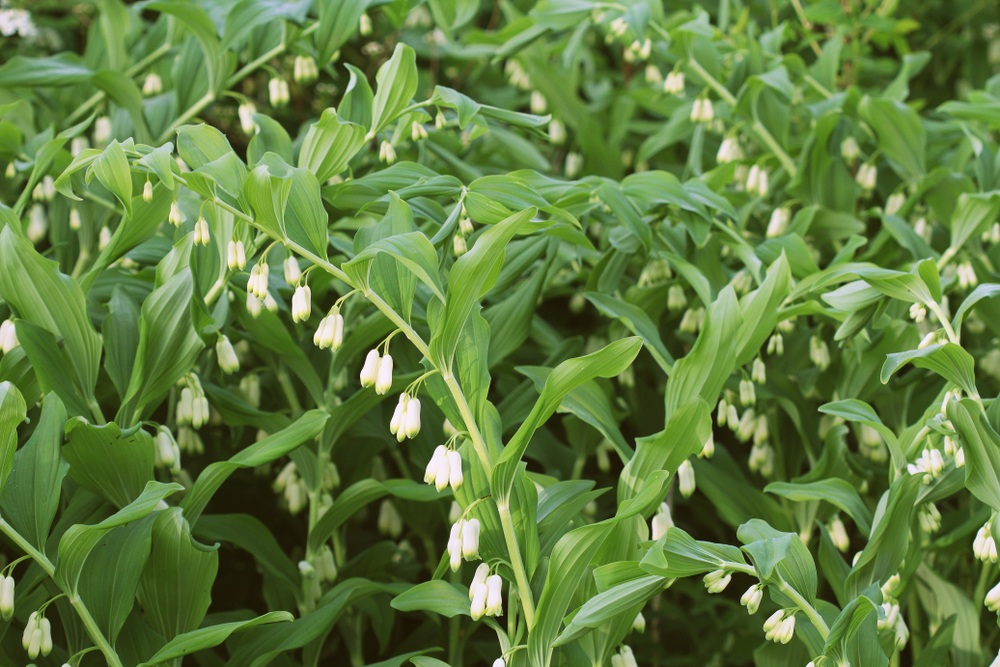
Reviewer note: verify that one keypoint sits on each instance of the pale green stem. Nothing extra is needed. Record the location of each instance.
(807, 609)
(758, 128)
(241, 74)
(97, 98)
(100, 641)
(520, 573)
(949, 331)
(478, 442)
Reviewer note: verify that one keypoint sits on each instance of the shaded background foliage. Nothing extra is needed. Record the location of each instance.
(926, 54)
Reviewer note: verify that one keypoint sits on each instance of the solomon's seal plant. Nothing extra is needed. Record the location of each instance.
(683, 320)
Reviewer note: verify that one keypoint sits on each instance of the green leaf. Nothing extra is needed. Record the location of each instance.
(982, 449)
(176, 585)
(837, 492)
(414, 251)
(338, 20)
(604, 607)
(30, 497)
(267, 188)
(89, 448)
(607, 362)
(685, 434)
(64, 69)
(948, 360)
(203, 638)
(329, 145)
(854, 410)
(570, 564)
(435, 596)
(779, 556)
(49, 361)
(53, 301)
(900, 133)
(974, 213)
(471, 277)
(638, 322)
(677, 554)
(109, 581)
(168, 345)
(760, 311)
(396, 83)
(988, 291)
(77, 542)
(112, 170)
(12, 412)
(704, 371)
(452, 14)
(269, 449)
(199, 145)
(889, 539)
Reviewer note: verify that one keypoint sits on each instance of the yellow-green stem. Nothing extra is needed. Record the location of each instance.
(807, 609)
(100, 641)
(520, 574)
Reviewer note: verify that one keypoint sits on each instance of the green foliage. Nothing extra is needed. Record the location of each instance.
(735, 262)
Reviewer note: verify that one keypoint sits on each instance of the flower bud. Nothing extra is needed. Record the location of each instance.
(236, 257)
(849, 149)
(102, 130)
(685, 478)
(662, 522)
(152, 85)
(838, 534)
(894, 203)
(389, 521)
(386, 153)
(752, 598)
(277, 92)
(246, 112)
(574, 164)
(75, 222)
(748, 395)
(29, 630)
(369, 372)
(499, 662)
(479, 579)
(165, 449)
(7, 598)
(147, 192)
(383, 379)
(717, 580)
(430, 472)
(676, 299)
(455, 477)
(8, 336)
(442, 475)
(993, 599)
(470, 539)
(365, 25)
(399, 414)
(412, 423)
(228, 361)
(557, 132)
(201, 231)
(175, 218)
(729, 151)
(302, 304)
(38, 224)
(305, 69)
(459, 245)
(478, 593)
(778, 224)
(455, 545)
(707, 447)
(757, 182)
(673, 84)
(867, 177)
(494, 598)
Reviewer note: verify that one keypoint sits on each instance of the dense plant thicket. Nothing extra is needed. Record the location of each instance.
(510, 332)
